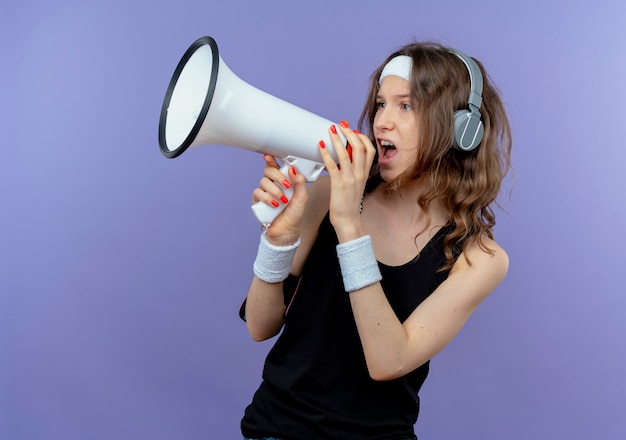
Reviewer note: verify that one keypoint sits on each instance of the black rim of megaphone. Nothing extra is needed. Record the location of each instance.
(207, 100)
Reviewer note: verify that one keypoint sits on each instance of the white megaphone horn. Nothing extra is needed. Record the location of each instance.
(208, 104)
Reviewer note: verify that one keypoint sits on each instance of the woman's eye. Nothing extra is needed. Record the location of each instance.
(380, 105)
(406, 107)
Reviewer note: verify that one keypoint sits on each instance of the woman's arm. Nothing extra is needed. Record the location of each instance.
(265, 306)
(393, 349)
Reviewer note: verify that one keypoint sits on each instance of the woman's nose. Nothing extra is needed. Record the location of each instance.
(383, 119)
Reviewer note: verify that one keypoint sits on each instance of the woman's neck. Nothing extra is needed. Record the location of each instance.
(403, 202)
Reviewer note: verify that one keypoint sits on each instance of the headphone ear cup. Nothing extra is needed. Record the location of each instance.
(468, 130)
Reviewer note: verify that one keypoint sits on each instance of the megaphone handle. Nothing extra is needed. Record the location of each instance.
(265, 213)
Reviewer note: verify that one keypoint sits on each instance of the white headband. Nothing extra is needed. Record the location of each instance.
(398, 66)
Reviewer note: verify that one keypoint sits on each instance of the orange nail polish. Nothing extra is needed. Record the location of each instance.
(286, 184)
(356, 131)
(322, 144)
(275, 204)
(284, 199)
(293, 170)
(349, 150)
(333, 129)
(344, 124)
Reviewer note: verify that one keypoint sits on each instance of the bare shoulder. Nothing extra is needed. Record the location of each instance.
(481, 268)
(489, 254)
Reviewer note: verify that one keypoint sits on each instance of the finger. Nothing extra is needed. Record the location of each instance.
(274, 182)
(363, 153)
(329, 162)
(370, 151)
(355, 149)
(343, 151)
(367, 151)
(276, 186)
(299, 181)
(259, 195)
(300, 194)
(271, 161)
(275, 175)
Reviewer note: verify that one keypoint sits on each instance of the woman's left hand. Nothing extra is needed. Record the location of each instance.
(347, 179)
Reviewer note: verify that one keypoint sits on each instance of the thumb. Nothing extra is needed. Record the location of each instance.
(299, 187)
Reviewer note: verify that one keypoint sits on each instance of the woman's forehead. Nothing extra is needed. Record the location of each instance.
(394, 86)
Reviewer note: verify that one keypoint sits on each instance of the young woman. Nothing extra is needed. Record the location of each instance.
(373, 269)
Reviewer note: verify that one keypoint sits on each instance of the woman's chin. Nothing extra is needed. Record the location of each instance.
(387, 175)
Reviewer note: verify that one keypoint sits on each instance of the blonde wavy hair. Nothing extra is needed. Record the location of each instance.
(465, 183)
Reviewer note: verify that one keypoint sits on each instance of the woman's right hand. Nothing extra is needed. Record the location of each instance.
(285, 229)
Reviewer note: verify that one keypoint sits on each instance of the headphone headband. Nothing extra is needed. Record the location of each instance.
(476, 79)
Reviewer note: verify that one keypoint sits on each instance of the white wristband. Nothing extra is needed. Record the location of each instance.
(273, 263)
(359, 267)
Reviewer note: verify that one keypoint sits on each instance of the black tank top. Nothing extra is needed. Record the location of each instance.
(315, 380)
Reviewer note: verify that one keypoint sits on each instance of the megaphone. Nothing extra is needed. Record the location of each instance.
(207, 104)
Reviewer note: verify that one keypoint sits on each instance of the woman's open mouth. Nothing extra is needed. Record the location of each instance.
(387, 150)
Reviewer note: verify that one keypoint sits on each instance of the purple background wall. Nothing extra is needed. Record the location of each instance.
(121, 272)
